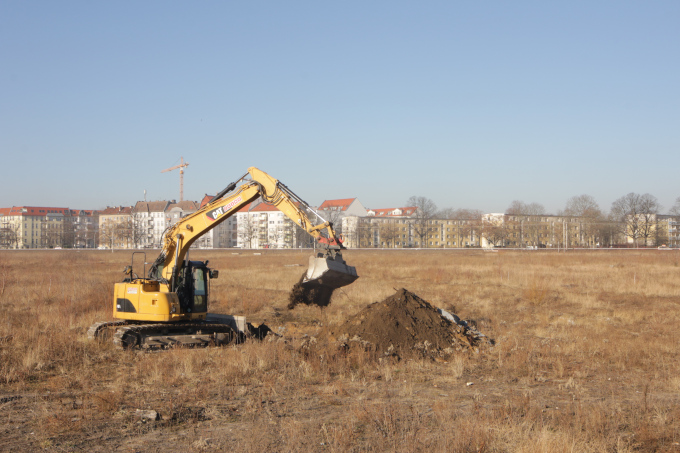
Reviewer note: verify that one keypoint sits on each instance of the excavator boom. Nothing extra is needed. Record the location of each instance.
(184, 233)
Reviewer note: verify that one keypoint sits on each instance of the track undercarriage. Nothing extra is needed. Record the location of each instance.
(128, 335)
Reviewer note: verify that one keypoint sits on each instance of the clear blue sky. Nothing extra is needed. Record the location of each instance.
(472, 104)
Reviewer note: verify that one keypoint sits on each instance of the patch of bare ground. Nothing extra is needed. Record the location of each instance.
(585, 358)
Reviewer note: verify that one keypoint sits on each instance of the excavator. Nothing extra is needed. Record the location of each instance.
(169, 306)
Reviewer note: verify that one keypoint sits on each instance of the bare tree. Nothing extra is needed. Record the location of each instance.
(107, 234)
(246, 230)
(590, 215)
(302, 238)
(675, 209)
(460, 214)
(367, 233)
(650, 208)
(518, 207)
(334, 216)
(8, 237)
(426, 210)
(636, 215)
(528, 221)
(495, 231)
(389, 232)
(581, 206)
(9, 233)
(469, 222)
(139, 229)
(124, 232)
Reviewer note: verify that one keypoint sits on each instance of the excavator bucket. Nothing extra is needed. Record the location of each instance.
(330, 272)
(324, 275)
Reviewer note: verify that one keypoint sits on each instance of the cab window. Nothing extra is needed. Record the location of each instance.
(200, 291)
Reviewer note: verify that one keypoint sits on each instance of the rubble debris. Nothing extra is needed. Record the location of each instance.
(260, 331)
(406, 324)
(147, 415)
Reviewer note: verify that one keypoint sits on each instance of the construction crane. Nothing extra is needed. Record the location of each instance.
(181, 167)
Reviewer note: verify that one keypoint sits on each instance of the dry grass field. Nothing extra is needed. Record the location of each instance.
(586, 358)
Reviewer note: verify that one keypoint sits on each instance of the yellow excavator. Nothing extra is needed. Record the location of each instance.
(170, 305)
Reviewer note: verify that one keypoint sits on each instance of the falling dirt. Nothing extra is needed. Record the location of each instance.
(309, 293)
(405, 324)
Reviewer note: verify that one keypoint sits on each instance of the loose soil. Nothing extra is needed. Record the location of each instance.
(405, 324)
(308, 293)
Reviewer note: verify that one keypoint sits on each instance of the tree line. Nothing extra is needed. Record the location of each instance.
(632, 215)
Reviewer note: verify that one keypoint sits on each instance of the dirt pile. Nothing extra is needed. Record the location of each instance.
(405, 324)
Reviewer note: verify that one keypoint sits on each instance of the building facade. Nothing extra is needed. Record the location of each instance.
(262, 225)
(335, 211)
(85, 228)
(116, 228)
(27, 227)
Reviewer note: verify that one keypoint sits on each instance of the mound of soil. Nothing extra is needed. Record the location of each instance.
(404, 323)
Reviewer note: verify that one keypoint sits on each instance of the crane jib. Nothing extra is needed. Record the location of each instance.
(218, 212)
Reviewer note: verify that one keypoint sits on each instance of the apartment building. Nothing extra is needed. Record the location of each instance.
(116, 228)
(386, 232)
(262, 225)
(335, 211)
(247, 228)
(224, 235)
(668, 231)
(551, 231)
(25, 227)
(10, 229)
(178, 210)
(149, 223)
(85, 228)
(150, 219)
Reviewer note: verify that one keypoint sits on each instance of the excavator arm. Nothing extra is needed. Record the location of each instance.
(180, 236)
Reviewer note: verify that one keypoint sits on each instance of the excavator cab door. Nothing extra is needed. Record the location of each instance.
(200, 296)
(192, 289)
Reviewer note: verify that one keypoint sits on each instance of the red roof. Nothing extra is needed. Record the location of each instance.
(206, 199)
(35, 210)
(264, 207)
(343, 204)
(116, 210)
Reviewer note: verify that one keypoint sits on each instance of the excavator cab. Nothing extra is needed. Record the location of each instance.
(193, 286)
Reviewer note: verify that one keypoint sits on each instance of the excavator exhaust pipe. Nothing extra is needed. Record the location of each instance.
(324, 275)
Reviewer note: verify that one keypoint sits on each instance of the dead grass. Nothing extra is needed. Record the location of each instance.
(585, 358)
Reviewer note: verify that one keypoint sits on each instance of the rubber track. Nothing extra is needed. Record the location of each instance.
(143, 330)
